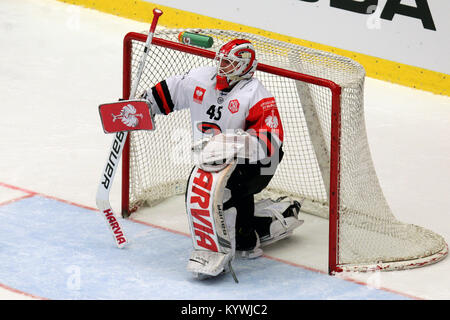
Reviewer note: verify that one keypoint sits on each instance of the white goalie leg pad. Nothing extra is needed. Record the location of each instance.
(281, 226)
(204, 263)
(212, 229)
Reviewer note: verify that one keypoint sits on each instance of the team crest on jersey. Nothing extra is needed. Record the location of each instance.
(271, 121)
(199, 94)
(233, 106)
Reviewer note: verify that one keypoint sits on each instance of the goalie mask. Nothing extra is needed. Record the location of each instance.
(236, 60)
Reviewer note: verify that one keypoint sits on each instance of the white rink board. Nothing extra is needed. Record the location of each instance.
(403, 39)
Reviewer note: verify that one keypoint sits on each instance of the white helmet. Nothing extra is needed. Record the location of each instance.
(236, 60)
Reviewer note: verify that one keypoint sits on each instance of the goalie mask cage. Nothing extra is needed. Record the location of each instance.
(327, 164)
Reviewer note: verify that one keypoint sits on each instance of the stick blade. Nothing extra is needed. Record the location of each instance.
(128, 115)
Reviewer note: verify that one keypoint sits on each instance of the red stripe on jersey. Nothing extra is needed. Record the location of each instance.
(266, 142)
(264, 117)
(160, 91)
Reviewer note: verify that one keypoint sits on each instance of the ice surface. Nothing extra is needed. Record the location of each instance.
(59, 62)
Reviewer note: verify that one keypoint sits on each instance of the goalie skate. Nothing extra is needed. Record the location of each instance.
(284, 215)
(279, 219)
(252, 253)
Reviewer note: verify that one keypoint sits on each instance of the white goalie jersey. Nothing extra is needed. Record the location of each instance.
(248, 107)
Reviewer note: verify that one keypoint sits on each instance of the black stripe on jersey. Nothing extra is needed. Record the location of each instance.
(162, 97)
(167, 95)
(260, 141)
(271, 145)
(267, 144)
(158, 100)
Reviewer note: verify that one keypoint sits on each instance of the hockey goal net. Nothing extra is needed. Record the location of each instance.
(327, 163)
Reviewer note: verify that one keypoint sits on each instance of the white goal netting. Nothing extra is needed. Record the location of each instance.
(368, 234)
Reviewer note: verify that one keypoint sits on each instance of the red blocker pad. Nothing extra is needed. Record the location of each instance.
(126, 115)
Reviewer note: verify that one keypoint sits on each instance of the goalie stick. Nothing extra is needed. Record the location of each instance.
(104, 188)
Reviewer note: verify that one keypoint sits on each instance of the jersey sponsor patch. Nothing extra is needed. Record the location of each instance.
(267, 104)
(199, 94)
(233, 106)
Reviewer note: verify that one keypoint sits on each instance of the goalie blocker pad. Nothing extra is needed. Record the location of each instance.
(126, 115)
(212, 229)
